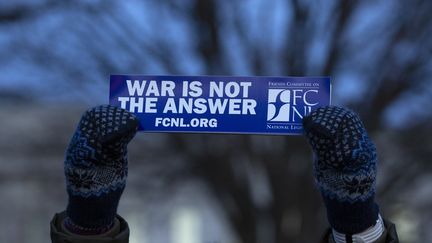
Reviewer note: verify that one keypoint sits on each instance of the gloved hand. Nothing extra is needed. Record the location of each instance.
(96, 168)
(345, 164)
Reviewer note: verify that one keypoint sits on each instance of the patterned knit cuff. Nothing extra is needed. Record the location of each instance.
(94, 212)
(351, 218)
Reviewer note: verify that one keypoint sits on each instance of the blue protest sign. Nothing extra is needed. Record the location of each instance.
(220, 104)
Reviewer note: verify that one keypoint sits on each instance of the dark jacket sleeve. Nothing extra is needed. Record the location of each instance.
(389, 235)
(58, 235)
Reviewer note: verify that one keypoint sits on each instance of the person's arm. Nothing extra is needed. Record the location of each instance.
(345, 165)
(388, 236)
(119, 233)
(96, 171)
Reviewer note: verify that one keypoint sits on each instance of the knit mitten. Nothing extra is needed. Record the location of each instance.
(345, 164)
(96, 168)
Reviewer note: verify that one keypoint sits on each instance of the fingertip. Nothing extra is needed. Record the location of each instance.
(309, 120)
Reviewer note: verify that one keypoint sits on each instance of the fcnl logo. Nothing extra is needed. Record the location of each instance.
(286, 105)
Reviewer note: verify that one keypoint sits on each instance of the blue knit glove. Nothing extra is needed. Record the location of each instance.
(96, 168)
(345, 164)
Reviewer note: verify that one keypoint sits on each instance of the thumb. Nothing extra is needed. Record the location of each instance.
(111, 124)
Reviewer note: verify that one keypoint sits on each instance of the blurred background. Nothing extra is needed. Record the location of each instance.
(55, 62)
